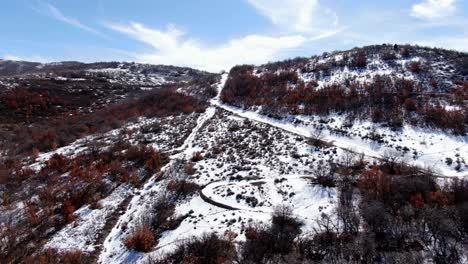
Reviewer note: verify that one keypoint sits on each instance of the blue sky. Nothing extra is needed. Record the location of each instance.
(216, 34)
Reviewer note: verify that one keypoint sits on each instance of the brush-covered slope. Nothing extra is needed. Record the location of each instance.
(388, 84)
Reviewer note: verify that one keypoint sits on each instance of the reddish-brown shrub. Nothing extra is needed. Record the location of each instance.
(31, 214)
(134, 178)
(461, 93)
(118, 171)
(415, 67)
(438, 197)
(67, 211)
(5, 175)
(189, 169)
(139, 154)
(142, 239)
(23, 174)
(197, 156)
(154, 162)
(182, 187)
(459, 190)
(209, 249)
(439, 117)
(375, 181)
(410, 105)
(388, 55)
(72, 257)
(277, 239)
(405, 52)
(101, 167)
(251, 233)
(78, 173)
(57, 162)
(34, 153)
(51, 256)
(417, 201)
(360, 59)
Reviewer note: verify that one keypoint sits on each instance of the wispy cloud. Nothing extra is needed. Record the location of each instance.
(53, 12)
(172, 46)
(434, 9)
(304, 16)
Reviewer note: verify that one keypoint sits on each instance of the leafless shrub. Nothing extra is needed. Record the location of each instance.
(142, 239)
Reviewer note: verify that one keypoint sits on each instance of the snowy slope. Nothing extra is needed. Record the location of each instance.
(243, 163)
(426, 148)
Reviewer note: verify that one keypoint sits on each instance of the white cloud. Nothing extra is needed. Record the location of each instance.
(434, 9)
(302, 20)
(304, 16)
(171, 46)
(54, 12)
(34, 58)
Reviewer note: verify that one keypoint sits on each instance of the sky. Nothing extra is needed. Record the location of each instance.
(214, 35)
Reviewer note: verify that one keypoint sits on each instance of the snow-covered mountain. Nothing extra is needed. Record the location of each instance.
(351, 156)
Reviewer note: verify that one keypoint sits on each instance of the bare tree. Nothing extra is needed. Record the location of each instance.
(316, 137)
(348, 158)
(392, 158)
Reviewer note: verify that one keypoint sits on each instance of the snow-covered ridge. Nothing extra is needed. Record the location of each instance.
(433, 67)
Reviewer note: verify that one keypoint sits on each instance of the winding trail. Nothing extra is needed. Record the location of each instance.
(113, 250)
(210, 200)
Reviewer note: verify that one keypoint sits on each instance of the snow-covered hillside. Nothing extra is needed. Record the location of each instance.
(286, 162)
